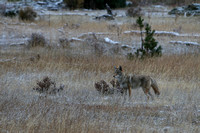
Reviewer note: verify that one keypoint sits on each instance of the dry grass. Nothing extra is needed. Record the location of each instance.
(79, 107)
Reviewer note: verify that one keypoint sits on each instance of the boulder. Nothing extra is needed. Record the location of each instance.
(105, 17)
(42, 3)
(10, 12)
(190, 10)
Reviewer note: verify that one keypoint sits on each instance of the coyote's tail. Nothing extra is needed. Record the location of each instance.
(154, 85)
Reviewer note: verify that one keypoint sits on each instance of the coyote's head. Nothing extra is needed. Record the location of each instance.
(118, 73)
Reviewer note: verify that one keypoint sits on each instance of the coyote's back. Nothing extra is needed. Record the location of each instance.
(128, 82)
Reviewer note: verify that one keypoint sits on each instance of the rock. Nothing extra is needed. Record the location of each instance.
(10, 12)
(190, 10)
(2, 8)
(185, 43)
(194, 6)
(52, 8)
(105, 17)
(129, 3)
(127, 47)
(108, 16)
(42, 3)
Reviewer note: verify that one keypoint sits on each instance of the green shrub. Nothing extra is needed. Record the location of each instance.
(27, 14)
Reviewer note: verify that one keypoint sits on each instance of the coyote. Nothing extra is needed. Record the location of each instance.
(128, 82)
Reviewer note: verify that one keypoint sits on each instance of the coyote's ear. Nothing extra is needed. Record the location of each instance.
(120, 68)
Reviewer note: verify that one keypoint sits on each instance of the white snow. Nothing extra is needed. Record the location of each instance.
(76, 39)
(110, 41)
(185, 42)
(7, 60)
(156, 32)
(127, 46)
(169, 33)
(9, 42)
(159, 6)
(83, 35)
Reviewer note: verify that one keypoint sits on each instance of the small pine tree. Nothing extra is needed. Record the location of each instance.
(149, 46)
(139, 21)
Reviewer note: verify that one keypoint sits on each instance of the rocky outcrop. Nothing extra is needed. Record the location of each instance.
(108, 16)
(190, 10)
(12, 8)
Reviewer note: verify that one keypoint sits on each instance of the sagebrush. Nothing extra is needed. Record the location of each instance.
(27, 14)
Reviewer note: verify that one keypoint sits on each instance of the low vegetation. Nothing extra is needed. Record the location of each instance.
(47, 86)
(37, 39)
(104, 88)
(134, 12)
(27, 14)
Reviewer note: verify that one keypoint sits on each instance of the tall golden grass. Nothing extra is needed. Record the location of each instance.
(185, 66)
(79, 108)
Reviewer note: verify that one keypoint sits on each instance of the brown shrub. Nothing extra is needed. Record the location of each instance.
(104, 88)
(64, 42)
(46, 85)
(27, 14)
(134, 12)
(37, 40)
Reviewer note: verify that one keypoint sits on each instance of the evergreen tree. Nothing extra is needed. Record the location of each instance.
(139, 21)
(149, 46)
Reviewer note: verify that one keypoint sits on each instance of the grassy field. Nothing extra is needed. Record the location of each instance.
(79, 107)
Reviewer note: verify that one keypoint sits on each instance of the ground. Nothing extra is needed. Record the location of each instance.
(79, 107)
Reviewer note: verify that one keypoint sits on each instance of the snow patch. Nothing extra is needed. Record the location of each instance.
(110, 41)
(13, 42)
(83, 35)
(126, 46)
(167, 33)
(156, 32)
(76, 39)
(185, 42)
